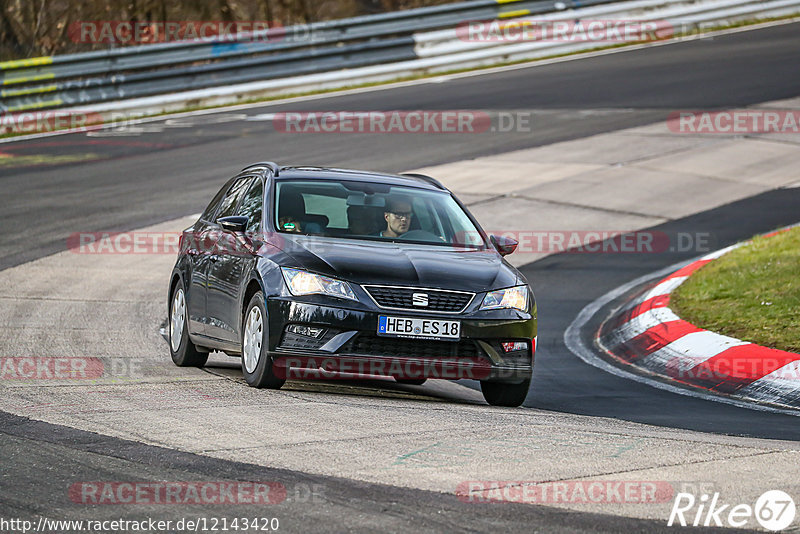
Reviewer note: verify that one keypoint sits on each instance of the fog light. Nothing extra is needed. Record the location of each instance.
(308, 331)
(512, 346)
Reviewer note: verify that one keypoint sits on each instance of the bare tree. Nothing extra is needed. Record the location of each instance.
(44, 27)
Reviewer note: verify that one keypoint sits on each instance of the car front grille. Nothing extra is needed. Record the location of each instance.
(372, 345)
(402, 298)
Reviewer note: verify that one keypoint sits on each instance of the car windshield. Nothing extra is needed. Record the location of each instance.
(373, 211)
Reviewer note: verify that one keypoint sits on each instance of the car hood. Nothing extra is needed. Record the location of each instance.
(408, 264)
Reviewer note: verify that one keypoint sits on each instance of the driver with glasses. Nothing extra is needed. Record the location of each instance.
(398, 216)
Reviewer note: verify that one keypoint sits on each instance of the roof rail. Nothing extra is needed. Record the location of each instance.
(426, 178)
(271, 165)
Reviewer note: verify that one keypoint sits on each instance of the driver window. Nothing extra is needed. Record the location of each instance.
(232, 198)
(213, 206)
(251, 206)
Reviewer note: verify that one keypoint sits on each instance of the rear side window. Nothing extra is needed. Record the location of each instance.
(235, 194)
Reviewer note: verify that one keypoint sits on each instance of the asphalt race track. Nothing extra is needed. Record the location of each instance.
(133, 181)
(63, 184)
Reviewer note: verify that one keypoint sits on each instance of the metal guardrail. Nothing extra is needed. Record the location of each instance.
(670, 17)
(154, 55)
(147, 70)
(333, 52)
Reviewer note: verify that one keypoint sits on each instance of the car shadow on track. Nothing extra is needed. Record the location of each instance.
(379, 387)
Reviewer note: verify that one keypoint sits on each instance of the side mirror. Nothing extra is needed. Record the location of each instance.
(504, 245)
(234, 223)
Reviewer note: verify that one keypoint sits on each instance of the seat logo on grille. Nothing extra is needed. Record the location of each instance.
(419, 299)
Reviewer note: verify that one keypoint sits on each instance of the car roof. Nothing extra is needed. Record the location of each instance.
(294, 172)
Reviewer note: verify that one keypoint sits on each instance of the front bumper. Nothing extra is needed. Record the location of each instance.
(349, 347)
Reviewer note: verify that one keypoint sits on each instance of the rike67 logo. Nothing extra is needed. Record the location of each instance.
(774, 510)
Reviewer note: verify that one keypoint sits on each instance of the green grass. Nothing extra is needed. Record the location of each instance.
(751, 293)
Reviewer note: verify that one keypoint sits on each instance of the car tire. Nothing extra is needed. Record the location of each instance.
(500, 394)
(257, 365)
(184, 353)
(410, 381)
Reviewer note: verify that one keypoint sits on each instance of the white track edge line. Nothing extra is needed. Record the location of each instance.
(575, 344)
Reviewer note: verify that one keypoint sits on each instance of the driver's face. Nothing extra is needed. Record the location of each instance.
(399, 218)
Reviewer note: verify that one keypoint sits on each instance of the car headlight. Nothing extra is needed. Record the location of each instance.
(515, 298)
(305, 283)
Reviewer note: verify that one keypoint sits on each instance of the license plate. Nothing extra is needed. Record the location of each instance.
(416, 328)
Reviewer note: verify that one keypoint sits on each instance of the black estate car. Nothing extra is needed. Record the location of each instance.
(309, 272)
